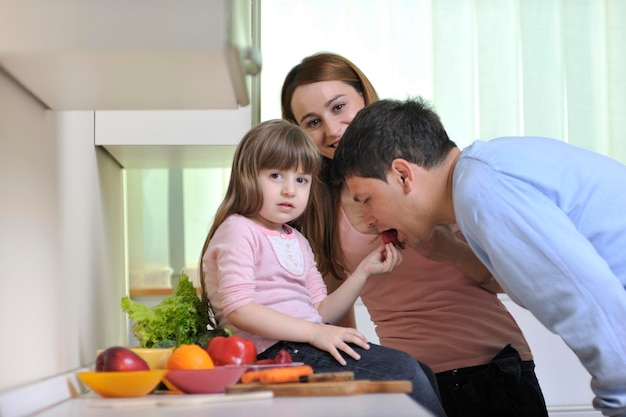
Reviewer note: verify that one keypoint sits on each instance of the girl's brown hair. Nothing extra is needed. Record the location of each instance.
(323, 234)
(273, 144)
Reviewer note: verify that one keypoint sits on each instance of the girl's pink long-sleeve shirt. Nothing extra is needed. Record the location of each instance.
(246, 263)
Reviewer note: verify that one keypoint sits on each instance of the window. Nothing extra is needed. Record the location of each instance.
(491, 68)
(169, 214)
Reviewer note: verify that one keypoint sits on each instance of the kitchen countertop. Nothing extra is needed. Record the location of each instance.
(64, 395)
(366, 405)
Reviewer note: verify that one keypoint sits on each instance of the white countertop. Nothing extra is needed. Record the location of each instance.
(64, 395)
(367, 405)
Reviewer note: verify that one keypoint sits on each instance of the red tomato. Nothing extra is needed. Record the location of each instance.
(231, 350)
(282, 357)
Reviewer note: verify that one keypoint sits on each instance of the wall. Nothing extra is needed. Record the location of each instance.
(61, 240)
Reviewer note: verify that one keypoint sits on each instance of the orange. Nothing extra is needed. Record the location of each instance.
(189, 357)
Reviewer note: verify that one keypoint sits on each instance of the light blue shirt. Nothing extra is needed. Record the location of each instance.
(549, 221)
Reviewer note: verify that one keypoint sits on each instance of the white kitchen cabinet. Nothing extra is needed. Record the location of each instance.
(172, 138)
(140, 54)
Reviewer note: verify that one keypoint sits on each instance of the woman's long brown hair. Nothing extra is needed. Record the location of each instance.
(323, 234)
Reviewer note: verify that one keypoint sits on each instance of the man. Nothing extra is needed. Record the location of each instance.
(548, 219)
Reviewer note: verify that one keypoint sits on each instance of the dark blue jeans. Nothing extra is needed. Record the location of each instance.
(505, 387)
(379, 363)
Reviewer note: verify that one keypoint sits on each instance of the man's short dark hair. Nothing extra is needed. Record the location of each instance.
(386, 130)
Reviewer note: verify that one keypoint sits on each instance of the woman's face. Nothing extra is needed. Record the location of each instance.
(324, 109)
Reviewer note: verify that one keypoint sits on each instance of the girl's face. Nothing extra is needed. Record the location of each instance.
(285, 196)
(325, 109)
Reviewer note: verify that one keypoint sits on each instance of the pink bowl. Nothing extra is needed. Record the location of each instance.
(205, 381)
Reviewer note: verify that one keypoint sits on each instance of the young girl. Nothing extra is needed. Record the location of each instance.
(259, 276)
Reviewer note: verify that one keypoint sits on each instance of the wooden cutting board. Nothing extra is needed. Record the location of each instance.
(326, 388)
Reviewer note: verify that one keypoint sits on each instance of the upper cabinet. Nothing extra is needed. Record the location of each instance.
(172, 138)
(130, 55)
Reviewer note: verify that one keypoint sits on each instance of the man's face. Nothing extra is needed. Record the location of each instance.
(394, 205)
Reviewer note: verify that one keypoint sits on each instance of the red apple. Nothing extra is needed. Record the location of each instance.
(100, 362)
(119, 358)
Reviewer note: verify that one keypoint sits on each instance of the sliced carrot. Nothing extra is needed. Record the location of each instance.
(251, 376)
(278, 375)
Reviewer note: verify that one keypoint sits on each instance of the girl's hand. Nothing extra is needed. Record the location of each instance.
(382, 260)
(334, 339)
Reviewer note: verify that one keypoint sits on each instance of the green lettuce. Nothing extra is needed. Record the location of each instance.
(178, 319)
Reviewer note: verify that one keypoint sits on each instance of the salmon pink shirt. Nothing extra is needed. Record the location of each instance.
(431, 310)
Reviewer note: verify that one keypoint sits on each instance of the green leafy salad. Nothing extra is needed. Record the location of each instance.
(178, 319)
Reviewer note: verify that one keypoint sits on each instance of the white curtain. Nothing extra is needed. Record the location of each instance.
(490, 67)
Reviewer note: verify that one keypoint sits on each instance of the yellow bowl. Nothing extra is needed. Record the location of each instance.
(155, 357)
(122, 384)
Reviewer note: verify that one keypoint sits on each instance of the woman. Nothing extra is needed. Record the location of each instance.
(439, 305)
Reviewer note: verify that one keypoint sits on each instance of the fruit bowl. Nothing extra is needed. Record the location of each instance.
(155, 357)
(122, 384)
(205, 381)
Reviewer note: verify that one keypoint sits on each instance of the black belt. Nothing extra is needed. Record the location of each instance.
(463, 371)
(507, 360)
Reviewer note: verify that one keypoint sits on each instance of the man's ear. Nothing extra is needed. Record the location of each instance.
(401, 171)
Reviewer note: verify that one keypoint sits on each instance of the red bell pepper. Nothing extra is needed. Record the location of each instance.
(231, 350)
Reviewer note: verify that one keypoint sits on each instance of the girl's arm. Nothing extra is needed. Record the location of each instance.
(271, 324)
(348, 319)
(382, 260)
